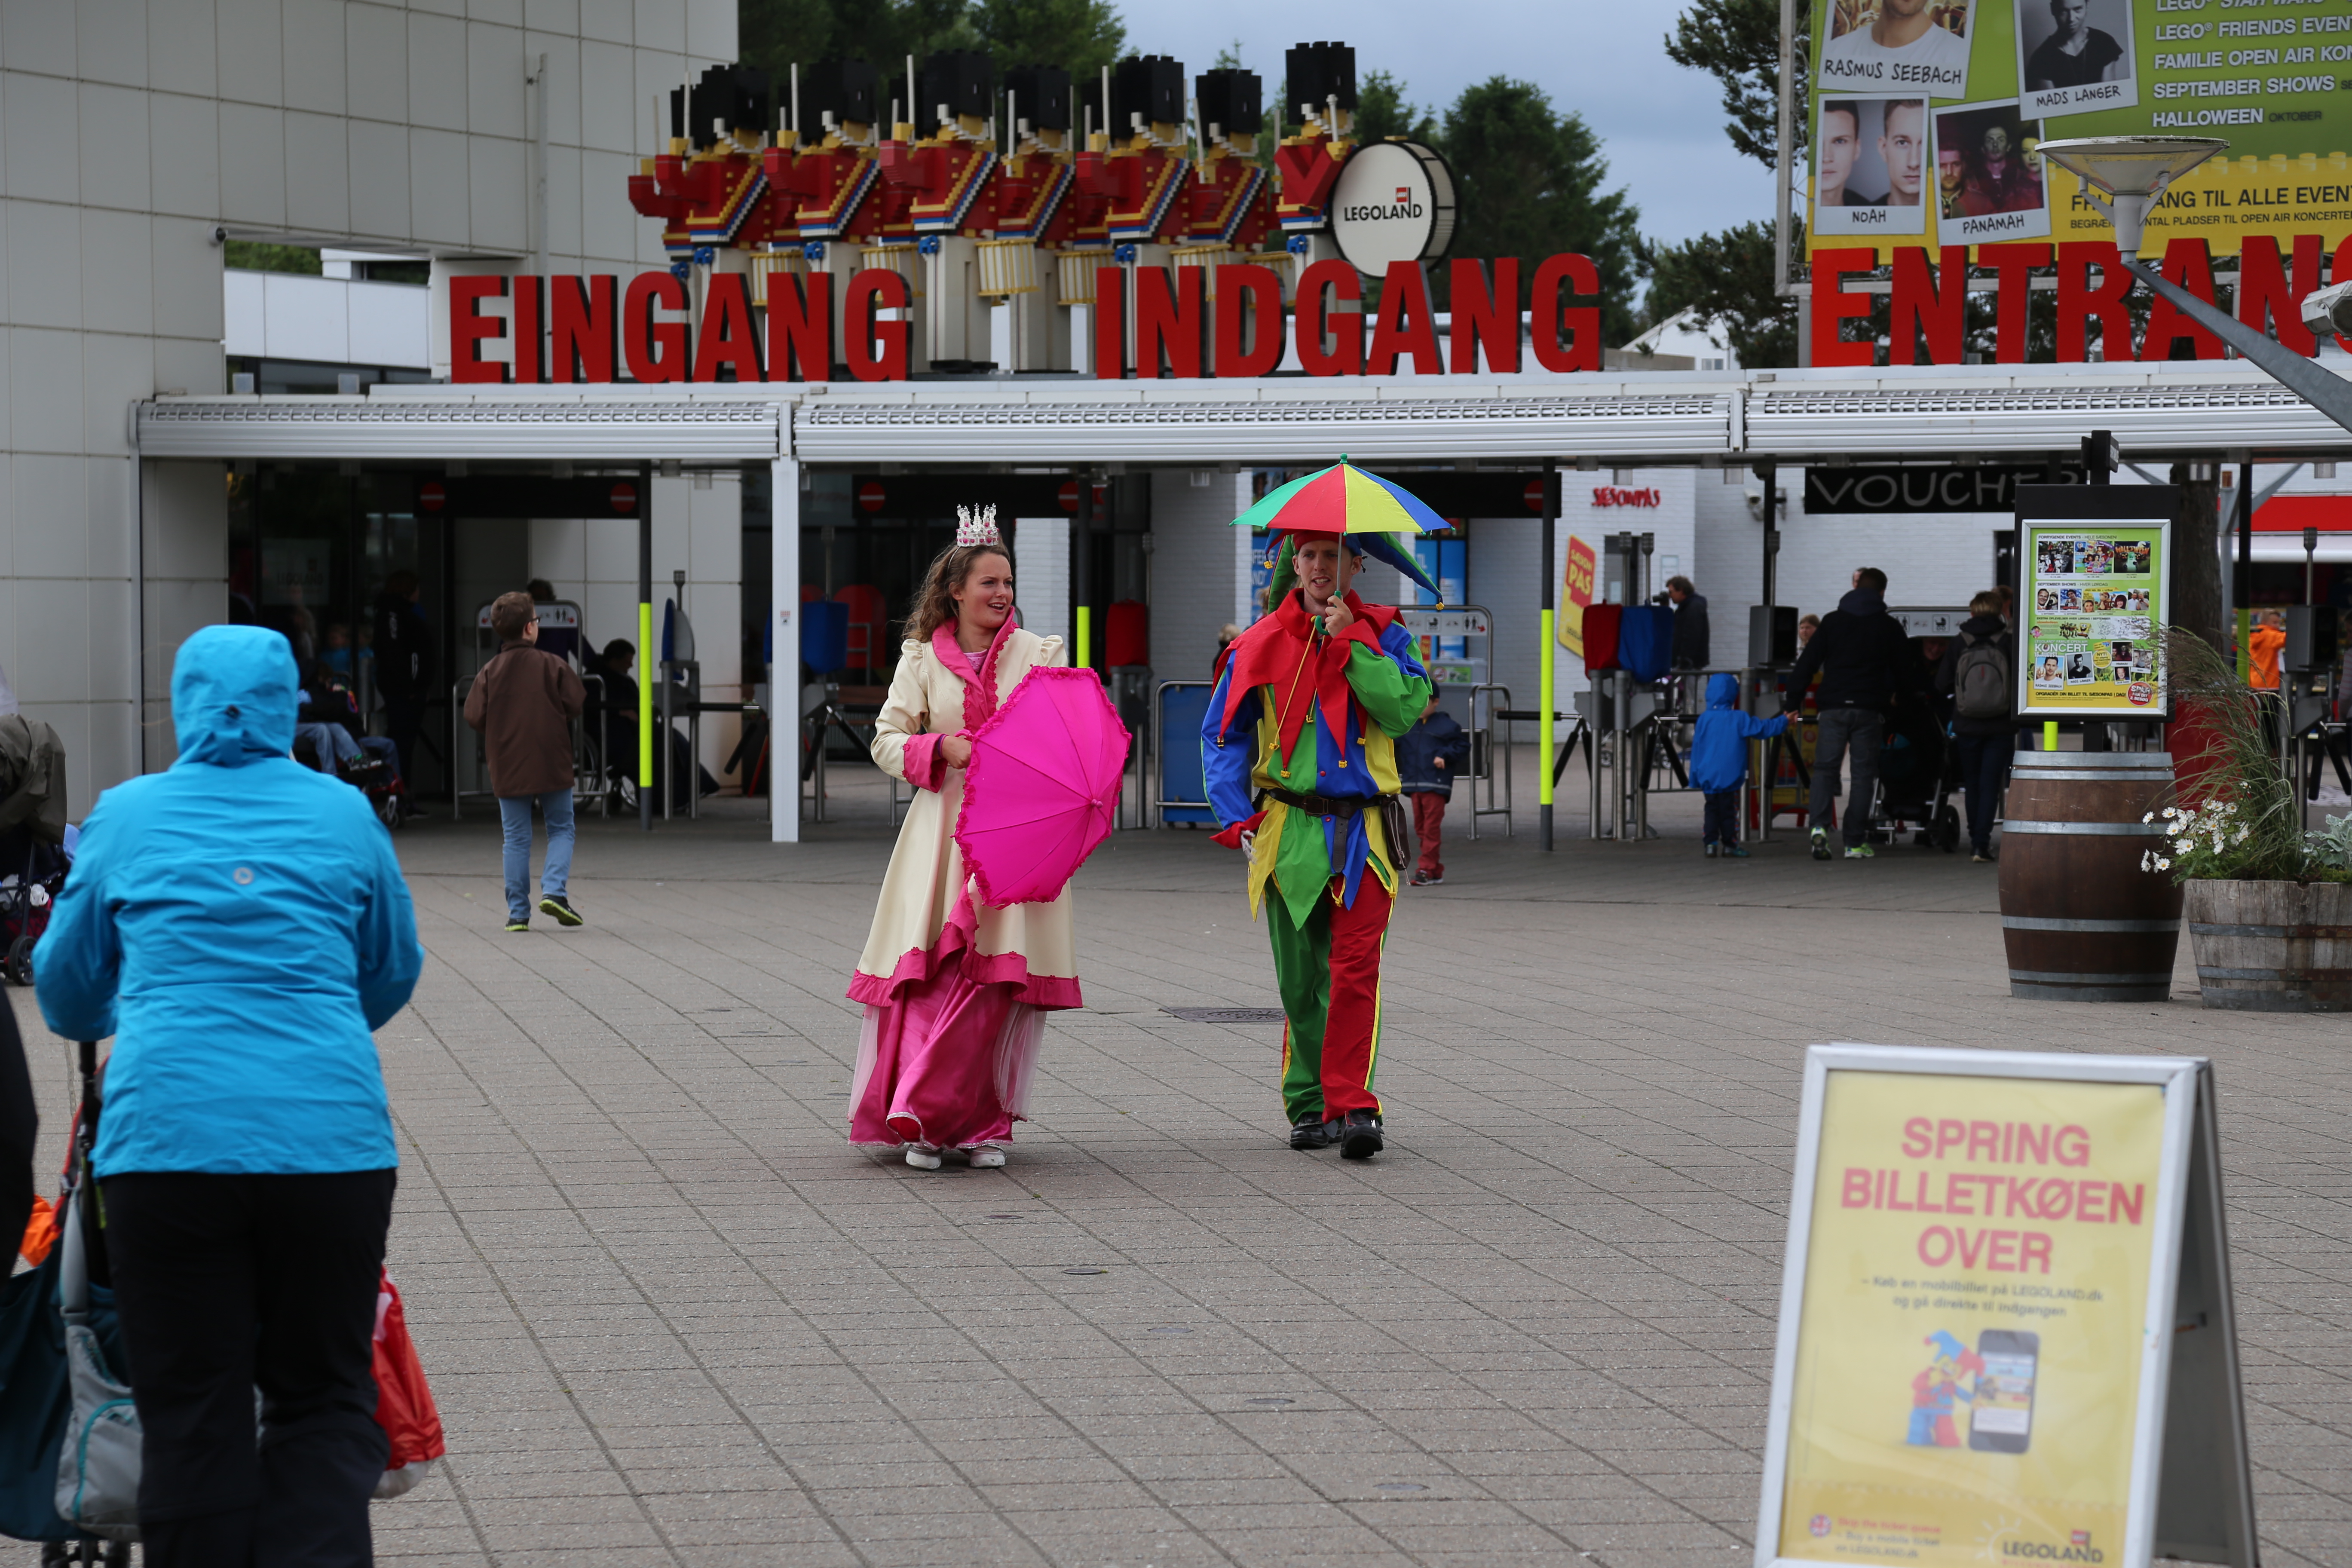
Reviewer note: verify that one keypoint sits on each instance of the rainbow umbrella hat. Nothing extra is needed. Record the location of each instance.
(1345, 500)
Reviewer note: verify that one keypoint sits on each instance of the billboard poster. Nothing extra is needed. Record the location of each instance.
(2093, 607)
(1999, 76)
(1576, 595)
(1976, 1353)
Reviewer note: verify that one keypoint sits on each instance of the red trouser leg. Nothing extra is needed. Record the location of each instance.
(1429, 827)
(1351, 1032)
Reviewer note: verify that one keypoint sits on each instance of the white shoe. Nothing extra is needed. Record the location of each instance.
(922, 1156)
(987, 1157)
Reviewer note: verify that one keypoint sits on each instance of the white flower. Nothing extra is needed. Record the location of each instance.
(2170, 811)
(2162, 864)
(2148, 816)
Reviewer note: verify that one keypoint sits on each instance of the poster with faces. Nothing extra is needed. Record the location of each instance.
(1869, 166)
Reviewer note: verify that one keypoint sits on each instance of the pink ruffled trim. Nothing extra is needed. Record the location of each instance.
(925, 769)
(979, 690)
(1050, 991)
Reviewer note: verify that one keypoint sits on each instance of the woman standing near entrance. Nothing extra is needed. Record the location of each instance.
(955, 992)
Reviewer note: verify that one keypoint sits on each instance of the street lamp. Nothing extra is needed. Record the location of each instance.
(2124, 176)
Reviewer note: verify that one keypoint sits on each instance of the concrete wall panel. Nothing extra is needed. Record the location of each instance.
(116, 371)
(44, 281)
(37, 36)
(45, 497)
(318, 175)
(316, 77)
(253, 165)
(375, 62)
(112, 146)
(117, 265)
(183, 41)
(495, 87)
(439, 202)
(379, 179)
(111, 41)
(38, 114)
(252, 50)
(45, 390)
(183, 158)
(499, 189)
(436, 72)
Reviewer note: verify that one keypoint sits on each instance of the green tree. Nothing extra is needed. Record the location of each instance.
(1738, 42)
(1529, 181)
(251, 255)
(1080, 35)
(1727, 278)
(1382, 111)
(1083, 35)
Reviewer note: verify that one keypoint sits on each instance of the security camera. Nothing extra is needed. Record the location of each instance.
(2330, 311)
(220, 234)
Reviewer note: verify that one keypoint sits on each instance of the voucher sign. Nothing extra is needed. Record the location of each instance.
(1978, 1308)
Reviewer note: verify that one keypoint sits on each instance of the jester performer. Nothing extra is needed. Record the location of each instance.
(1299, 747)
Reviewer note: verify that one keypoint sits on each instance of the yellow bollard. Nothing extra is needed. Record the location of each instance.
(1543, 719)
(1086, 637)
(646, 695)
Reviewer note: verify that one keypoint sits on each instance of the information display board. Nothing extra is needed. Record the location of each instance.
(1926, 117)
(2097, 564)
(1979, 1310)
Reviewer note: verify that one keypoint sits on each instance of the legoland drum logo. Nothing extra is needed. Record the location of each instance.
(1393, 202)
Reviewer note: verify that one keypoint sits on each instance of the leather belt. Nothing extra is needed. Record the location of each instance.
(1329, 805)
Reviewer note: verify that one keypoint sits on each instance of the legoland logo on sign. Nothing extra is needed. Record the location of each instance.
(1393, 202)
(1151, 322)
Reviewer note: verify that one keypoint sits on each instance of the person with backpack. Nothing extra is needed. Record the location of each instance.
(1866, 663)
(1979, 673)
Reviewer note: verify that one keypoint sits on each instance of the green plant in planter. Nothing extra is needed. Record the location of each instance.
(2248, 826)
(2331, 850)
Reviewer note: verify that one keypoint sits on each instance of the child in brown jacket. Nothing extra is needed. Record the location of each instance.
(523, 702)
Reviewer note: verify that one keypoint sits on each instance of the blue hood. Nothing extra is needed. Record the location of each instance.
(234, 696)
(1722, 690)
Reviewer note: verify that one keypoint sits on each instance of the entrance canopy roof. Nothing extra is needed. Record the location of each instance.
(2174, 410)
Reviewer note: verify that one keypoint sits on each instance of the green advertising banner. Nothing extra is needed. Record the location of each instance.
(1926, 114)
(2093, 614)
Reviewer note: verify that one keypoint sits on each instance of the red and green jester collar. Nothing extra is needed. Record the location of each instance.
(1289, 651)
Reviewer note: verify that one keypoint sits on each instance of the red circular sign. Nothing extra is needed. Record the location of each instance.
(1533, 495)
(1068, 496)
(624, 498)
(431, 497)
(871, 495)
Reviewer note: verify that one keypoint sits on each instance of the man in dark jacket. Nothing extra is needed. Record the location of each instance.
(523, 703)
(1691, 644)
(1979, 672)
(1428, 755)
(404, 664)
(1866, 662)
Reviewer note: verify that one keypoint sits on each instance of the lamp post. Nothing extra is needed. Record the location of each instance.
(2124, 176)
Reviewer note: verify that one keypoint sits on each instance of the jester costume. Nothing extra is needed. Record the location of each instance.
(1299, 747)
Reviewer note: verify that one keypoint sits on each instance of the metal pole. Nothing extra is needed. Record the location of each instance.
(1546, 670)
(2320, 387)
(785, 667)
(2244, 583)
(646, 647)
(1081, 583)
(1769, 473)
(1783, 169)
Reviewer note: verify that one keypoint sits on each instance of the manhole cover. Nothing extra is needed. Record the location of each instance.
(1269, 1402)
(1225, 1014)
(1086, 1270)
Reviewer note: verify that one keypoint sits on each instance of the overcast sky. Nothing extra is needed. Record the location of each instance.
(1660, 125)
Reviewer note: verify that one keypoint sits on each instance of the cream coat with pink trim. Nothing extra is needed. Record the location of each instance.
(929, 914)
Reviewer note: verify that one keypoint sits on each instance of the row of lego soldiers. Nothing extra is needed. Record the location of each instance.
(1130, 178)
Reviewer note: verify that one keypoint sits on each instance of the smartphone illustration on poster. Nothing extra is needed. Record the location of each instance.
(2002, 1418)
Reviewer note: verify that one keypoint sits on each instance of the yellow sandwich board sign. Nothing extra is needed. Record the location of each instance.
(2004, 1268)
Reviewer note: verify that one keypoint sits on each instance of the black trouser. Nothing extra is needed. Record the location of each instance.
(1984, 770)
(229, 1283)
(403, 718)
(1722, 816)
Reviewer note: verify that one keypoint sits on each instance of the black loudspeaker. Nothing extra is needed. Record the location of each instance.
(2311, 637)
(1041, 95)
(842, 88)
(1150, 85)
(1313, 73)
(1231, 101)
(1771, 636)
(960, 79)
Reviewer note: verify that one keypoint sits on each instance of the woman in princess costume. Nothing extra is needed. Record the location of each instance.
(956, 993)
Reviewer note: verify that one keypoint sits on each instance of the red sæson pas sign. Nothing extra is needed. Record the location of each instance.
(594, 328)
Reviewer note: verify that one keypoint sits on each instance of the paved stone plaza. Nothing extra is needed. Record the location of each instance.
(672, 1318)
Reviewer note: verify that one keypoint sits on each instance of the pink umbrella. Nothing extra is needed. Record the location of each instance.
(1042, 790)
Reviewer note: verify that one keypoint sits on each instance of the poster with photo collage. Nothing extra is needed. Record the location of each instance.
(2094, 611)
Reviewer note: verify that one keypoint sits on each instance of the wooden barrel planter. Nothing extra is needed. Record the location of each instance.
(2082, 922)
(2273, 947)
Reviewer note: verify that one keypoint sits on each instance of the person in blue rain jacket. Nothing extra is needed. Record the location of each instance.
(1719, 759)
(240, 925)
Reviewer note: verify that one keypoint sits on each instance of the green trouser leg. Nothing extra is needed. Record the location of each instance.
(1302, 973)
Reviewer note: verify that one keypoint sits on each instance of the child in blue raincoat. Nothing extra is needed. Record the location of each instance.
(1719, 759)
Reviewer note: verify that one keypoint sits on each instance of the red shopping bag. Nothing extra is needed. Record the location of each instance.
(403, 1403)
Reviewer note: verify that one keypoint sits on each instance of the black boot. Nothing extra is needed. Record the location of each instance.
(1360, 1138)
(1310, 1131)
